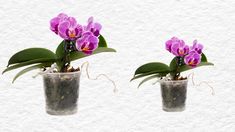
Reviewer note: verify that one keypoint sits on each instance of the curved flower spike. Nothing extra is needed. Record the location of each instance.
(54, 23)
(87, 43)
(93, 27)
(192, 59)
(69, 29)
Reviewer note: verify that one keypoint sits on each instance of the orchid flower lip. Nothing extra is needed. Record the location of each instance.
(87, 43)
(192, 59)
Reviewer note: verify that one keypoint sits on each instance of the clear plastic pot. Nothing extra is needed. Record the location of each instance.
(61, 92)
(174, 95)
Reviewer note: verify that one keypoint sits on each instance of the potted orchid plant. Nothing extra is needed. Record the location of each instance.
(173, 85)
(61, 80)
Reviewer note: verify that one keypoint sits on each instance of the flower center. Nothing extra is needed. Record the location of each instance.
(72, 34)
(191, 63)
(181, 52)
(85, 49)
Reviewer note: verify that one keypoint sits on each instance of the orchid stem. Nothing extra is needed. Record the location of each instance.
(179, 63)
(66, 58)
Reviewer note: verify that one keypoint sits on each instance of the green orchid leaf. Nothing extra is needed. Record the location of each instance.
(142, 75)
(60, 54)
(77, 55)
(186, 67)
(160, 74)
(49, 61)
(148, 78)
(60, 50)
(38, 66)
(31, 54)
(153, 66)
(203, 59)
(173, 64)
(102, 41)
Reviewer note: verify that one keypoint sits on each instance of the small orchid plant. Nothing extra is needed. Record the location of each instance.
(78, 42)
(186, 58)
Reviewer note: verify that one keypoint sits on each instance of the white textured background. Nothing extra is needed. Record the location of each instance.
(137, 29)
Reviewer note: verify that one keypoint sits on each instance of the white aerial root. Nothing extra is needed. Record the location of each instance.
(86, 65)
(199, 84)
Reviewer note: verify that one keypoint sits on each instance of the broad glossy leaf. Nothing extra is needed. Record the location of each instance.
(102, 41)
(186, 67)
(153, 66)
(60, 54)
(203, 59)
(161, 74)
(30, 69)
(31, 54)
(173, 64)
(49, 61)
(60, 50)
(77, 55)
(148, 78)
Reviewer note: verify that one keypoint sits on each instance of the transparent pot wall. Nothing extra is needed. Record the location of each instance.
(61, 92)
(173, 95)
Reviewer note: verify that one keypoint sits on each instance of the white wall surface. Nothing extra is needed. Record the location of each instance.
(137, 29)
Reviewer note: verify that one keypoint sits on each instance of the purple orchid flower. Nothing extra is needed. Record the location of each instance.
(197, 47)
(69, 29)
(54, 23)
(170, 42)
(192, 59)
(177, 47)
(93, 27)
(87, 43)
(180, 49)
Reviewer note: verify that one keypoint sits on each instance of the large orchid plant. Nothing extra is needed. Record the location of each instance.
(186, 58)
(78, 42)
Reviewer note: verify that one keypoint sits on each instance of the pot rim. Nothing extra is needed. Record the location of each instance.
(61, 73)
(162, 80)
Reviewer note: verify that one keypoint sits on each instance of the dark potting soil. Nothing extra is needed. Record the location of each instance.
(61, 92)
(173, 96)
